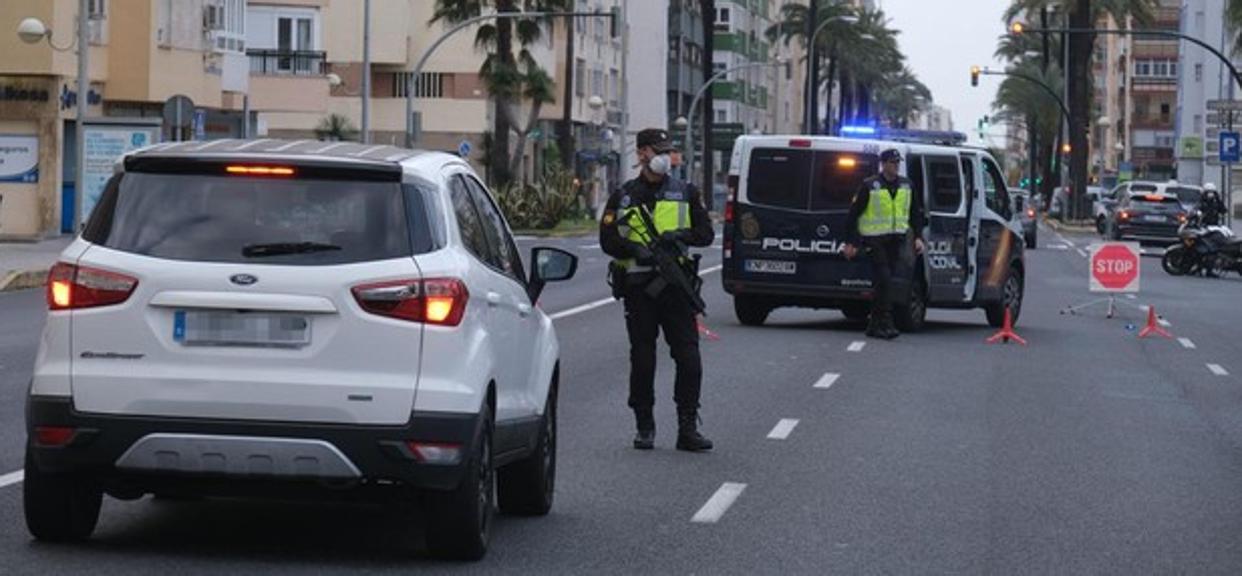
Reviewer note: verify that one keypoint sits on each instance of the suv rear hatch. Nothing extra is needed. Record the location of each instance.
(243, 300)
(789, 224)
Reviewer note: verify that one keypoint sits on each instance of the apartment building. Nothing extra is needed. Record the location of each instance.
(141, 53)
(1152, 91)
(1204, 77)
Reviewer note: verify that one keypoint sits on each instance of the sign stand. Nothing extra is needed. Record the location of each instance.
(1114, 268)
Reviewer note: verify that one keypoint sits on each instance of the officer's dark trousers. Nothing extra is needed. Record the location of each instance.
(885, 252)
(645, 317)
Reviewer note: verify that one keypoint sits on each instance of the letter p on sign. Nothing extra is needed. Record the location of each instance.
(1115, 267)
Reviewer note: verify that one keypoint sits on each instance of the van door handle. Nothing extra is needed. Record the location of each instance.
(493, 299)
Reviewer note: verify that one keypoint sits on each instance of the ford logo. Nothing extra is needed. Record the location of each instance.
(243, 279)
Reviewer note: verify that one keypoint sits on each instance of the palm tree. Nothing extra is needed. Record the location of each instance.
(1083, 14)
(506, 78)
(1233, 17)
(335, 128)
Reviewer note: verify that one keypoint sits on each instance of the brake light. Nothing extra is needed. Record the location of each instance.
(730, 199)
(71, 287)
(1181, 218)
(260, 170)
(1030, 212)
(435, 452)
(1153, 197)
(53, 435)
(800, 143)
(1124, 215)
(438, 301)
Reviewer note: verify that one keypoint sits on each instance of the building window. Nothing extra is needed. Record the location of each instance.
(288, 34)
(580, 77)
(614, 88)
(428, 84)
(722, 116)
(1198, 72)
(597, 83)
(1142, 68)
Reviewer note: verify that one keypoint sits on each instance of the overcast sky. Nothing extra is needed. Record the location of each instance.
(941, 40)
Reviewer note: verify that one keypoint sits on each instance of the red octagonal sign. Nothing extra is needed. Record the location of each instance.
(1115, 267)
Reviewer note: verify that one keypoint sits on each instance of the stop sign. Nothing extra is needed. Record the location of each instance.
(1115, 267)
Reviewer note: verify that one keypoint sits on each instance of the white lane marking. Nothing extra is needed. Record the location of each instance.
(589, 247)
(12, 478)
(827, 380)
(1186, 343)
(1082, 252)
(1131, 297)
(606, 301)
(1058, 247)
(1162, 322)
(719, 503)
(1218, 370)
(1065, 240)
(856, 346)
(783, 429)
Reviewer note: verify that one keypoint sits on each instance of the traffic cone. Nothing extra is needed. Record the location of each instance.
(1153, 325)
(1006, 332)
(704, 330)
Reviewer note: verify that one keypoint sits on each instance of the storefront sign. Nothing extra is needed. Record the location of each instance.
(11, 93)
(19, 158)
(105, 144)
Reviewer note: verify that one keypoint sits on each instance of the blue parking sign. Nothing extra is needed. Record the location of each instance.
(1230, 147)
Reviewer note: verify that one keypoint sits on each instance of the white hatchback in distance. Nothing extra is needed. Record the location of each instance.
(296, 318)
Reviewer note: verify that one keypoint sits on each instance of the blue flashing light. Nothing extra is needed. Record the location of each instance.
(863, 130)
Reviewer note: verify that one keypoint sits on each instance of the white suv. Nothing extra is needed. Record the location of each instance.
(287, 318)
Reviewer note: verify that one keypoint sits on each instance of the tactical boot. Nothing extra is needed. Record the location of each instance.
(889, 330)
(875, 327)
(645, 438)
(688, 436)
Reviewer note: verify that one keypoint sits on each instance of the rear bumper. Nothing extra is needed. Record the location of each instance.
(812, 296)
(1148, 233)
(155, 451)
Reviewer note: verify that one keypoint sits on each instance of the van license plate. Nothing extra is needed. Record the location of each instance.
(771, 267)
(231, 328)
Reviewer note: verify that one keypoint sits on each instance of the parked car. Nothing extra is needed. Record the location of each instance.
(284, 319)
(1026, 213)
(1151, 217)
(1105, 210)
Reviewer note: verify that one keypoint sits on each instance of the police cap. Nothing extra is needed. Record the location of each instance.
(890, 155)
(657, 139)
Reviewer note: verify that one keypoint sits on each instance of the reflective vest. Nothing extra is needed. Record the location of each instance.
(671, 213)
(886, 213)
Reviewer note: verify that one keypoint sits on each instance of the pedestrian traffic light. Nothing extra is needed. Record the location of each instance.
(974, 75)
(615, 22)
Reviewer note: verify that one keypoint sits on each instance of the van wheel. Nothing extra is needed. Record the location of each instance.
(1031, 241)
(1101, 224)
(1011, 298)
(856, 312)
(59, 507)
(910, 318)
(525, 488)
(750, 311)
(460, 520)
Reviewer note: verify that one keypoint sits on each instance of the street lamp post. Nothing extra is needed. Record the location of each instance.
(32, 31)
(422, 60)
(810, 61)
(366, 71)
(689, 118)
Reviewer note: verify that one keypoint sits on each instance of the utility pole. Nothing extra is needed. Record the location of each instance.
(84, 87)
(366, 71)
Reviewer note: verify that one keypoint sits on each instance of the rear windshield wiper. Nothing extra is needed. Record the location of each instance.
(282, 248)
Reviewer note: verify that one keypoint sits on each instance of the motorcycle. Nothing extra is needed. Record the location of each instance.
(1211, 250)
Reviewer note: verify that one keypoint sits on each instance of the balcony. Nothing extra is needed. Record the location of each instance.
(287, 63)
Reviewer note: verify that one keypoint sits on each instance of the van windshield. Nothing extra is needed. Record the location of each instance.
(805, 179)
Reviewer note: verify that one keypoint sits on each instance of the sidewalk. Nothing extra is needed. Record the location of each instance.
(25, 265)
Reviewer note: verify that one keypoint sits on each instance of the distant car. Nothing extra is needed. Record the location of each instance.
(1146, 216)
(296, 318)
(1025, 212)
(1060, 203)
(1185, 197)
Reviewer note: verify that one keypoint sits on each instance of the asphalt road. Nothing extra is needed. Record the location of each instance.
(1089, 451)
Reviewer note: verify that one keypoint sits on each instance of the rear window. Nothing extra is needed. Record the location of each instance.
(238, 219)
(805, 179)
(1187, 196)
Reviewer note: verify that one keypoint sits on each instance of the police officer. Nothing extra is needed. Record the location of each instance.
(678, 215)
(1212, 207)
(885, 213)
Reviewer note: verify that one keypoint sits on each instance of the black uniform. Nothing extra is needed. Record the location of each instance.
(670, 310)
(886, 251)
(1213, 209)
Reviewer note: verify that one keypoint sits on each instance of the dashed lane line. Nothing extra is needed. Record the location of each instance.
(1082, 252)
(12, 478)
(826, 381)
(606, 301)
(783, 429)
(1163, 323)
(856, 346)
(1186, 343)
(1218, 370)
(719, 503)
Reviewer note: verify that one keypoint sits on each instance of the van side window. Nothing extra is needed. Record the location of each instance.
(994, 189)
(914, 171)
(968, 175)
(780, 178)
(946, 185)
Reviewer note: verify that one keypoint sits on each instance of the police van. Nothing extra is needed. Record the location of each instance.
(785, 227)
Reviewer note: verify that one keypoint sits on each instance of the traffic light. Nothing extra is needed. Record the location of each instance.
(974, 75)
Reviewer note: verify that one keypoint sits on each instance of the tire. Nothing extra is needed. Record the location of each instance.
(1031, 241)
(856, 312)
(526, 488)
(1011, 298)
(911, 317)
(750, 311)
(460, 520)
(59, 507)
(1174, 261)
(1101, 224)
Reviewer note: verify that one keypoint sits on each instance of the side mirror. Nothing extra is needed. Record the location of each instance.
(549, 265)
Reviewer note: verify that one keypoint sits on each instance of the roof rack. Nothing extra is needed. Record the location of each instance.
(941, 137)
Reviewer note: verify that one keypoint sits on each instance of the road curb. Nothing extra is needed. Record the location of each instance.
(1063, 227)
(23, 279)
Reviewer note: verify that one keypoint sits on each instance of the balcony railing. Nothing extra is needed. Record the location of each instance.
(287, 62)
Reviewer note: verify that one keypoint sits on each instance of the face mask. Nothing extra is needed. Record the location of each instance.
(660, 165)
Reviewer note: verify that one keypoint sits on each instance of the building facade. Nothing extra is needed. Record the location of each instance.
(1204, 77)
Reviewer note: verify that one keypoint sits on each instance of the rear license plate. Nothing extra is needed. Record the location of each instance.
(230, 328)
(771, 267)
(1154, 218)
